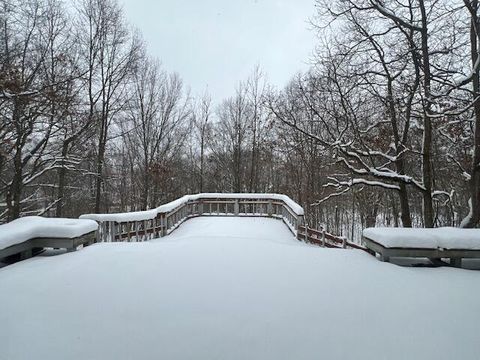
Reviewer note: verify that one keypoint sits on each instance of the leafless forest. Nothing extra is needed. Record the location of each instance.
(383, 129)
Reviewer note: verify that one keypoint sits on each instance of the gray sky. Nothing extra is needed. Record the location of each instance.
(217, 43)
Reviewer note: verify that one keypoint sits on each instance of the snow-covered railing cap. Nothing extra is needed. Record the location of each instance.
(153, 213)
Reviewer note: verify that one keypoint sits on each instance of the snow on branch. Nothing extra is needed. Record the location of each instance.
(392, 16)
(359, 181)
(385, 174)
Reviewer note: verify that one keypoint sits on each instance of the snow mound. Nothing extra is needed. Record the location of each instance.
(29, 227)
(443, 237)
(234, 288)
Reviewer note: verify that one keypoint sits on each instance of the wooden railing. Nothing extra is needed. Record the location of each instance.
(322, 238)
(141, 226)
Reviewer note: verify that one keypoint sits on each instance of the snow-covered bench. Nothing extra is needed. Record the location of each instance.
(24, 235)
(435, 244)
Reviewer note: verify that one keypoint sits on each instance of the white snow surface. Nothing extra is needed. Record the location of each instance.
(234, 288)
(29, 227)
(152, 213)
(441, 238)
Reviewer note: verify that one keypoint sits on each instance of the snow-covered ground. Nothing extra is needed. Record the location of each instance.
(234, 288)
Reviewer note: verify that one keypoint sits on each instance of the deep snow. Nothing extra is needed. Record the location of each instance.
(234, 288)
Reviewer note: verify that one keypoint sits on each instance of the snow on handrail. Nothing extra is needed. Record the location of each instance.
(153, 213)
(144, 225)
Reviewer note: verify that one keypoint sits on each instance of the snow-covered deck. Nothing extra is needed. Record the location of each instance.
(234, 288)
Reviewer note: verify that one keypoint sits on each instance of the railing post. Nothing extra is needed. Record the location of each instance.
(165, 224)
(299, 221)
(323, 237)
(236, 208)
(144, 230)
(270, 208)
(113, 227)
(99, 233)
(160, 220)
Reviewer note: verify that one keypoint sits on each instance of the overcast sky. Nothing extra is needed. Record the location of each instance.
(217, 43)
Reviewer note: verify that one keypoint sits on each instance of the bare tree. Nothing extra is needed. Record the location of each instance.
(201, 121)
(111, 55)
(231, 137)
(157, 118)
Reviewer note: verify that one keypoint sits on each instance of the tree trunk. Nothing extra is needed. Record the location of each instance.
(99, 178)
(62, 174)
(473, 217)
(202, 156)
(427, 176)
(14, 195)
(146, 188)
(427, 125)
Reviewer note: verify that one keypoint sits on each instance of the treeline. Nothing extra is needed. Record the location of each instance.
(393, 100)
(382, 130)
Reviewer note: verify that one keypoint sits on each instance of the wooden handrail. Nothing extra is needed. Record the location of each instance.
(167, 221)
(324, 239)
(117, 227)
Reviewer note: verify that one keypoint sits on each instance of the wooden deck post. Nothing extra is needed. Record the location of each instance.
(114, 230)
(299, 235)
(98, 233)
(165, 224)
(145, 230)
(236, 208)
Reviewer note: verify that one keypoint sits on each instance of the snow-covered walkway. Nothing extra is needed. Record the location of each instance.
(234, 288)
